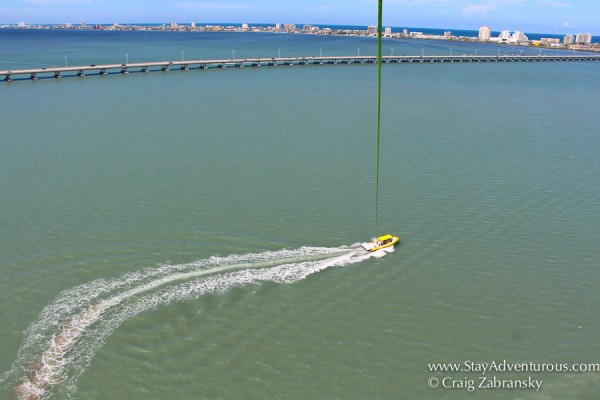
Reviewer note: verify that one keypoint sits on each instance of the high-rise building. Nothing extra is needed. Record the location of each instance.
(485, 33)
(583, 38)
(372, 30)
(519, 37)
(569, 39)
(388, 31)
(504, 37)
(289, 27)
(245, 26)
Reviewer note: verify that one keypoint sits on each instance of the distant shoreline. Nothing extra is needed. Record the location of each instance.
(537, 40)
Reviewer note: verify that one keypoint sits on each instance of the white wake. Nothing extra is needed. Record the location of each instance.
(60, 345)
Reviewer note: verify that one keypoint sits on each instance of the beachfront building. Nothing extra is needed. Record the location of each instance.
(372, 30)
(519, 38)
(552, 42)
(516, 38)
(289, 27)
(504, 37)
(568, 39)
(310, 28)
(583, 38)
(485, 33)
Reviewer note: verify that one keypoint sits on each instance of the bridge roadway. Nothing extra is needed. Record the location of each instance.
(57, 72)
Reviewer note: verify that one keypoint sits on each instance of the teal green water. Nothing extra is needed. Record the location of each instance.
(142, 187)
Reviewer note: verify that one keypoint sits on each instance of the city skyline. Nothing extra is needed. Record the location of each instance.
(541, 16)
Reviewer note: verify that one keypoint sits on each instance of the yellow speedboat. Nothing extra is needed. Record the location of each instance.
(381, 242)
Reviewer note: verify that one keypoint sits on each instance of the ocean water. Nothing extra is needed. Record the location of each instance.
(193, 234)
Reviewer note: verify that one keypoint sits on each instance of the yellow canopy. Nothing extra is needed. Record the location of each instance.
(384, 237)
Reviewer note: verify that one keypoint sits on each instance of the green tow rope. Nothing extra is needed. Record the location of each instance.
(379, 34)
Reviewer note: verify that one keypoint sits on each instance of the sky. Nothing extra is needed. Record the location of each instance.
(530, 16)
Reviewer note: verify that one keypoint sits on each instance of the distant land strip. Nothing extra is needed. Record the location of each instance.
(106, 69)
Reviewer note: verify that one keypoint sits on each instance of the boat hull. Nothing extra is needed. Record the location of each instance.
(382, 242)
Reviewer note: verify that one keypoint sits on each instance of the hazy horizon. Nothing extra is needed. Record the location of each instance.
(548, 16)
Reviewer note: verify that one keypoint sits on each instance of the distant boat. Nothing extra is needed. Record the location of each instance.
(382, 242)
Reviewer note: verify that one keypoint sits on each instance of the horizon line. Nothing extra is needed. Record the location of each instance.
(266, 23)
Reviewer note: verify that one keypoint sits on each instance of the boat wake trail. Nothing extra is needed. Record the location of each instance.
(60, 345)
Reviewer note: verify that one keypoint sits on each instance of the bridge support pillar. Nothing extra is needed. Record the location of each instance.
(103, 72)
(81, 73)
(124, 70)
(33, 76)
(144, 69)
(57, 75)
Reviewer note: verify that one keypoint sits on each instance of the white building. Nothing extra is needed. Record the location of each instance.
(519, 37)
(504, 37)
(289, 27)
(515, 38)
(245, 26)
(550, 41)
(569, 39)
(485, 33)
(583, 38)
(388, 31)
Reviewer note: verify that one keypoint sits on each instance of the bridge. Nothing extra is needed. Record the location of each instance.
(105, 69)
